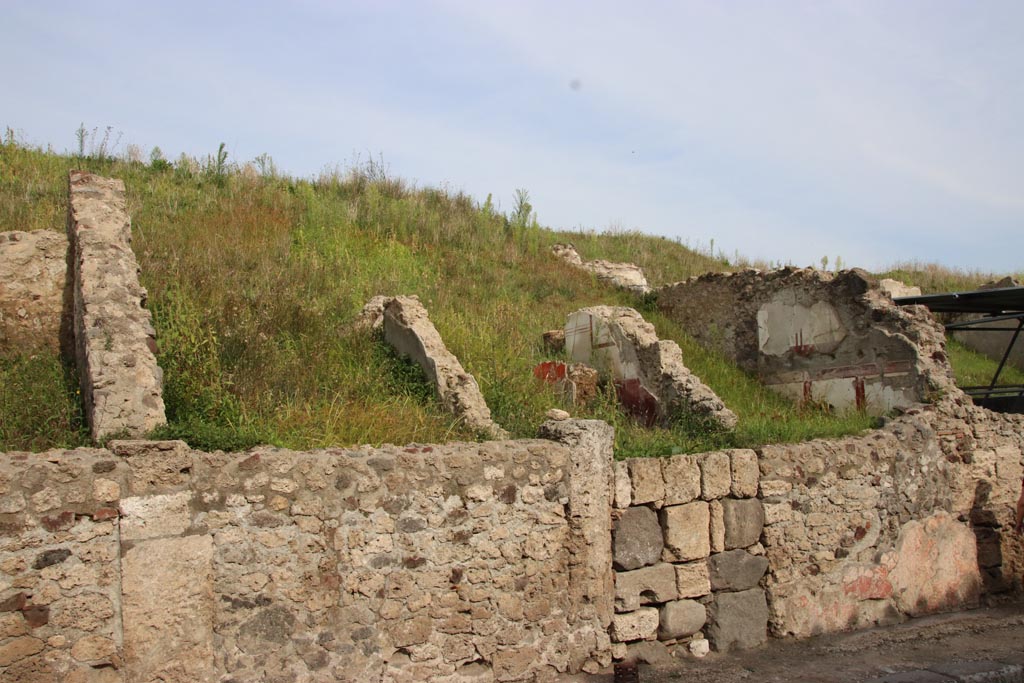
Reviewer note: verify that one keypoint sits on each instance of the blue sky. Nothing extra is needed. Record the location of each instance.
(786, 131)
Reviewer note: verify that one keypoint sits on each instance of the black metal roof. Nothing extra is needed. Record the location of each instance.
(986, 301)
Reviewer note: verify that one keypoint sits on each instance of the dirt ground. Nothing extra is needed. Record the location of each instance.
(991, 634)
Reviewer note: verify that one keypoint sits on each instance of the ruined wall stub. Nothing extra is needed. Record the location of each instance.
(122, 385)
(150, 561)
(33, 278)
(649, 372)
(813, 336)
(627, 276)
(408, 329)
(895, 288)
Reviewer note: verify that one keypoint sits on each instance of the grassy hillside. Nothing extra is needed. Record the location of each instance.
(255, 278)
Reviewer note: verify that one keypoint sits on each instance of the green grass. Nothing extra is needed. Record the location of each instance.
(39, 406)
(254, 280)
(936, 279)
(972, 369)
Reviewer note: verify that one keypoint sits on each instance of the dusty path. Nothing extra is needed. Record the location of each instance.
(914, 652)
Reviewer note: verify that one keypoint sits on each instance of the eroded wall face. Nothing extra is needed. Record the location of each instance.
(59, 575)
(913, 519)
(33, 275)
(115, 343)
(836, 340)
(152, 561)
(651, 380)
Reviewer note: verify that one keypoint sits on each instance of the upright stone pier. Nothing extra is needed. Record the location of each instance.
(122, 385)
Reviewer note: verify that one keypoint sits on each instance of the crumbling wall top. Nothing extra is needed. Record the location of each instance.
(115, 342)
(627, 276)
(33, 275)
(408, 329)
(832, 338)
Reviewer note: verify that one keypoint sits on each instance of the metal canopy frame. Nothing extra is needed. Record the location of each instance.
(1005, 304)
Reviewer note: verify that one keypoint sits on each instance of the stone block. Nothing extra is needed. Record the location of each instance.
(777, 513)
(745, 473)
(693, 579)
(681, 618)
(156, 465)
(145, 517)
(686, 530)
(738, 621)
(647, 482)
(715, 475)
(639, 625)
(717, 526)
(645, 586)
(168, 610)
(774, 487)
(682, 479)
(736, 570)
(744, 521)
(623, 486)
(554, 340)
(637, 539)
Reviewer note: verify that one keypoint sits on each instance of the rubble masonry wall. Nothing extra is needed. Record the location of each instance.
(836, 339)
(445, 563)
(907, 520)
(650, 375)
(902, 521)
(33, 276)
(122, 385)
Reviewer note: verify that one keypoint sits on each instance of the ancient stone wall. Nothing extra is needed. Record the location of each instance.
(407, 328)
(687, 552)
(651, 380)
(837, 340)
(122, 385)
(464, 562)
(33, 275)
(907, 520)
(626, 276)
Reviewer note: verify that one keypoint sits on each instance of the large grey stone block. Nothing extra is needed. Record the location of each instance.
(738, 620)
(744, 521)
(408, 329)
(736, 570)
(637, 540)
